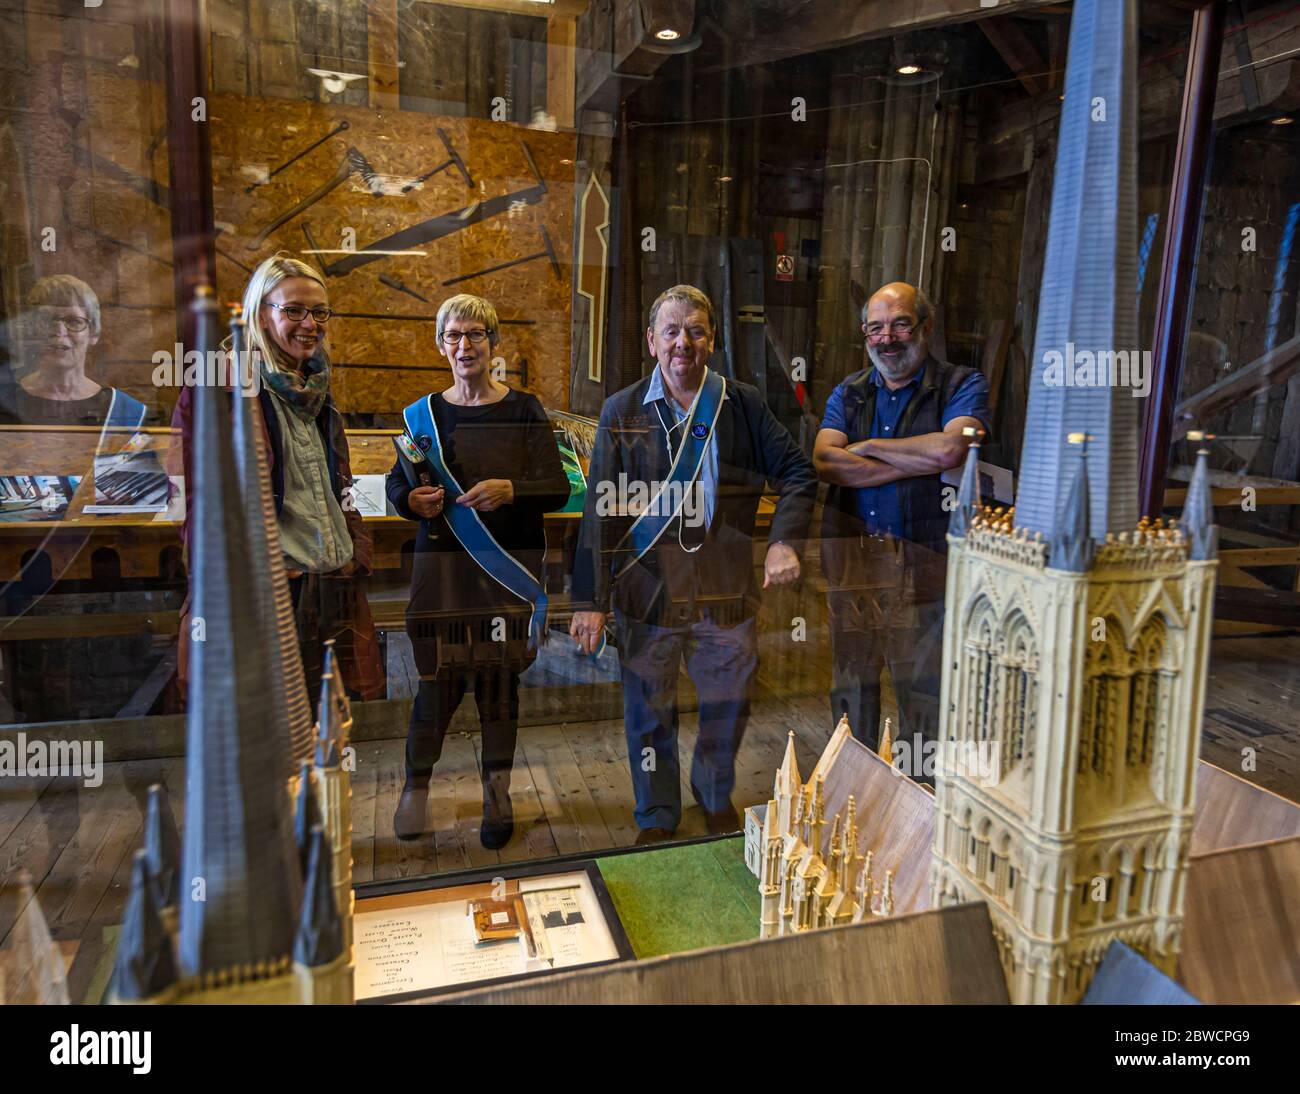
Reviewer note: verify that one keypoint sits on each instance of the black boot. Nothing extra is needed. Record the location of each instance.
(498, 817)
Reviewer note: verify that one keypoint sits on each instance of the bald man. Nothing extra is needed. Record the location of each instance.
(889, 433)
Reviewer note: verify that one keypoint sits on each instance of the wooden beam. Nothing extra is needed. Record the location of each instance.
(567, 9)
(381, 42)
(1269, 606)
(561, 69)
(1019, 52)
(1010, 134)
(1178, 267)
(194, 254)
(1275, 367)
(816, 25)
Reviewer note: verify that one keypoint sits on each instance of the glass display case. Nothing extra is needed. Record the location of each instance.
(543, 436)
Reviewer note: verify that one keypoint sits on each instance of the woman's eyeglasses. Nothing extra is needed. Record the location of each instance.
(296, 313)
(453, 337)
(73, 324)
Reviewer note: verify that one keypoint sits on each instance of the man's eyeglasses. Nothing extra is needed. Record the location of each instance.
(296, 313)
(899, 328)
(453, 337)
(73, 324)
(695, 334)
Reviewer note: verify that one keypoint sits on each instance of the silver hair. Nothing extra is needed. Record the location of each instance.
(924, 309)
(683, 294)
(466, 306)
(66, 291)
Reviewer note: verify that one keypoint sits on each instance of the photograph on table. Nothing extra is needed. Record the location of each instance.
(414, 939)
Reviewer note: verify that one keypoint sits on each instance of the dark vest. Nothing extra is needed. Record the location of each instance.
(920, 497)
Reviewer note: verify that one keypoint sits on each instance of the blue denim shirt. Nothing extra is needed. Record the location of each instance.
(878, 506)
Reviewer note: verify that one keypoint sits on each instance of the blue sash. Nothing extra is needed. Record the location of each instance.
(700, 423)
(124, 413)
(495, 560)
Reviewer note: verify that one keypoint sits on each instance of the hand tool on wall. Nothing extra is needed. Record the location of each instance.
(440, 226)
(400, 286)
(547, 252)
(453, 160)
(341, 127)
(326, 188)
(146, 187)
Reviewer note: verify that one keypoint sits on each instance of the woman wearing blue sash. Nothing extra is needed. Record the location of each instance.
(480, 470)
(64, 314)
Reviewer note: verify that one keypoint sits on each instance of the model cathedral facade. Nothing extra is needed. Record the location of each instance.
(808, 878)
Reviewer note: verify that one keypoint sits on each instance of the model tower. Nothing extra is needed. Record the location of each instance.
(255, 920)
(1076, 637)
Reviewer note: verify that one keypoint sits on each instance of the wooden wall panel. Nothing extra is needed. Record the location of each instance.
(387, 362)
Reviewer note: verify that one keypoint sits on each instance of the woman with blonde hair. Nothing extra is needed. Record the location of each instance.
(286, 308)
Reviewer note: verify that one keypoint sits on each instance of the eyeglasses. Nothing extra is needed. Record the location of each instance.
(695, 334)
(899, 328)
(453, 337)
(73, 324)
(296, 313)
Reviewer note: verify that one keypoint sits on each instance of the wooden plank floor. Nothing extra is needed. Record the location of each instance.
(571, 790)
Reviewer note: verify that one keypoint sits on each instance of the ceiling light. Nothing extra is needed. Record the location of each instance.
(908, 70)
(1283, 120)
(667, 34)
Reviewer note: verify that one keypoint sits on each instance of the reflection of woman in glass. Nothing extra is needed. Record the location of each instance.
(468, 628)
(63, 312)
(321, 533)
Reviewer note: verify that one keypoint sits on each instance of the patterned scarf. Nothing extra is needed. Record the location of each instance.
(304, 393)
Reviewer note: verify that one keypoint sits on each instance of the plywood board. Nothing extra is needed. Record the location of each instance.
(933, 957)
(383, 339)
(1231, 812)
(1241, 923)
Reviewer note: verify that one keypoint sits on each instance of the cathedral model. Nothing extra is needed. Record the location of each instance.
(249, 907)
(806, 879)
(1076, 637)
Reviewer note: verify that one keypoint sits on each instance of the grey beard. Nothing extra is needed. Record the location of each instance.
(910, 363)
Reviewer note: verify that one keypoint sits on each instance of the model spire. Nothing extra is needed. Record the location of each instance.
(238, 842)
(320, 931)
(145, 965)
(1198, 511)
(162, 848)
(35, 962)
(968, 496)
(787, 775)
(886, 750)
(1087, 368)
(1071, 548)
(267, 585)
(306, 816)
(335, 717)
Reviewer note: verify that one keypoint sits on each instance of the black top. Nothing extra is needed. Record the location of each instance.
(19, 407)
(510, 439)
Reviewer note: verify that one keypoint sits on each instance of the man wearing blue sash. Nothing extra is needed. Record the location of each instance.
(680, 463)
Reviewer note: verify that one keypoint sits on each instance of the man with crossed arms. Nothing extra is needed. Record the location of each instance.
(681, 583)
(889, 433)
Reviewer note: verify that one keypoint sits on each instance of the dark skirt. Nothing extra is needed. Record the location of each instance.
(460, 618)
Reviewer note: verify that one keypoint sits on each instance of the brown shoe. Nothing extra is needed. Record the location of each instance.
(408, 819)
(723, 822)
(651, 835)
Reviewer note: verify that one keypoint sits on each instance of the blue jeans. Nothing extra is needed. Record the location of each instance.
(721, 662)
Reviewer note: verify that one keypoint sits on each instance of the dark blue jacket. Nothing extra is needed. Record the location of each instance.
(666, 585)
